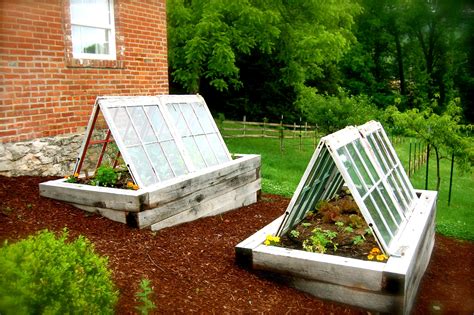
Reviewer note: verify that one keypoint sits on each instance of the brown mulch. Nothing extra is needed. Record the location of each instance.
(192, 266)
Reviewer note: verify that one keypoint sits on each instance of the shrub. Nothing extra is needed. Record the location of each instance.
(45, 275)
(106, 176)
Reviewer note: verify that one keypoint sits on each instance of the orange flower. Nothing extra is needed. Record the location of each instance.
(135, 187)
(375, 251)
(129, 185)
(370, 257)
(381, 257)
(76, 174)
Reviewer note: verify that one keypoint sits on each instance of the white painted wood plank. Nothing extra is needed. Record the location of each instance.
(183, 186)
(347, 295)
(351, 272)
(162, 212)
(102, 197)
(114, 215)
(259, 236)
(216, 206)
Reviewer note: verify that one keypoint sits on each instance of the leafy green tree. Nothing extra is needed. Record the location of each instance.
(444, 133)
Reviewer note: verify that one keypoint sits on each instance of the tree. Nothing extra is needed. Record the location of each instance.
(442, 132)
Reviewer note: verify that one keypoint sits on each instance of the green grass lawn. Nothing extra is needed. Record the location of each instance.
(282, 171)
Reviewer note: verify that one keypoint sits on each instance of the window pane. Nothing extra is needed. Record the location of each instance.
(158, 123)
(174, 157)
(344, 156)
(391, 206)
(124, 126)
(360, 167)
(385, 234)
(193, 123)
(396, 192)
(378, 155)
(203, 145)
(159, 161)
(178, 120)
(194, 153)
(367, 161)
(90, 40)
(142, 165)
(204, 118)
(218, 148)
(142, 124)
(384, 211)
(90, 10)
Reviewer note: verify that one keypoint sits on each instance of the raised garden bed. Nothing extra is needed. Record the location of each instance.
(353, 176)
(176, 164)
(389, 286)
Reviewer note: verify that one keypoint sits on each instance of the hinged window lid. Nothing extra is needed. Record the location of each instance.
(364, 160)
(159, 137)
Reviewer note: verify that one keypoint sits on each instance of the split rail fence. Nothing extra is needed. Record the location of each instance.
(299, 134)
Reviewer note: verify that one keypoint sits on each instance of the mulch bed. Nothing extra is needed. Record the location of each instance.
(192, 266)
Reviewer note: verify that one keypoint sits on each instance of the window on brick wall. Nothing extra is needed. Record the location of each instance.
(93, 29)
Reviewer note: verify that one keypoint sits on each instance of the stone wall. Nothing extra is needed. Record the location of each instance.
(49, 156)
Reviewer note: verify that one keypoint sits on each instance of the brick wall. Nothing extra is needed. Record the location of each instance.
(44, 92)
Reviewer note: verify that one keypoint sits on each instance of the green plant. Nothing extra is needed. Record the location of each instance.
(72, 179)
(339, 224)
(294, 233)
(143, 296)
(358, 240)
(106, 176)
(348, 229)
(319, 241)
(45, 274)
(305, 224)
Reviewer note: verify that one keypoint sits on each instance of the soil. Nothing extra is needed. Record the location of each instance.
(192, 266)
(335, 227)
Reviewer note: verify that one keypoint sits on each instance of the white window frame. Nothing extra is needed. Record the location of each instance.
(112, 55)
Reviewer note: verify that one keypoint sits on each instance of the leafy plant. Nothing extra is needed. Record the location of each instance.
(143, 296)
(106, 176)
(72, 179)
(339, 224)
(348, 229)
(319, 241)
(294, 233)
(358, 240)
(305, 224)
(45, 274)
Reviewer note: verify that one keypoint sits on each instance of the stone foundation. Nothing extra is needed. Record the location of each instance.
(50, 156)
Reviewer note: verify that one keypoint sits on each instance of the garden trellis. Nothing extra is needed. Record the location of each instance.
(363, 159)
(159, 137)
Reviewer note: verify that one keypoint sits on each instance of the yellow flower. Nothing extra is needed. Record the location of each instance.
(381, 257)
(76, 174)
(129, 184)
(375, 251)
(271, 240)
(370, 257)
(135, 187)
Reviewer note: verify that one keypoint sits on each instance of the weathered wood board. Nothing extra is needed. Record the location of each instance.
(203, 193)
(389, 287)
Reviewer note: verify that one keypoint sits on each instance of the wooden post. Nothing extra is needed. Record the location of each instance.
(245, 119)
(281, 134)
(263, 130)
(451, 179)
(427, 164)
(409, 160)
(414, 159)
(301, 139)
(294, 129)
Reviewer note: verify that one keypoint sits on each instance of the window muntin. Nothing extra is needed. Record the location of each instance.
(93, 29)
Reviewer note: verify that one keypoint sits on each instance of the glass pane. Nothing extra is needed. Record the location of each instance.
(396, 192)
(90, 40)
(203, 145)
(385, 234)
(122, 122)
(367, 161)
(389, 202)
(159, 161)
(403, 185)
(194, 153)
(90, 10)
(218, 148)
(178, 120)
(378, 155)
(158, 123)
(384, 212)
(174, 157)
(203, 117)
(383, 150)
(193, 123)
(360, 167)
(142, 124)
(142, 165)
(344, 156)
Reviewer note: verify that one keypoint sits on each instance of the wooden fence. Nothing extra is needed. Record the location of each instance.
(302, 132)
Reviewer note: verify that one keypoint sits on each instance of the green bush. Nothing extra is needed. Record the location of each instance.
(106, 176)
(44, 274)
